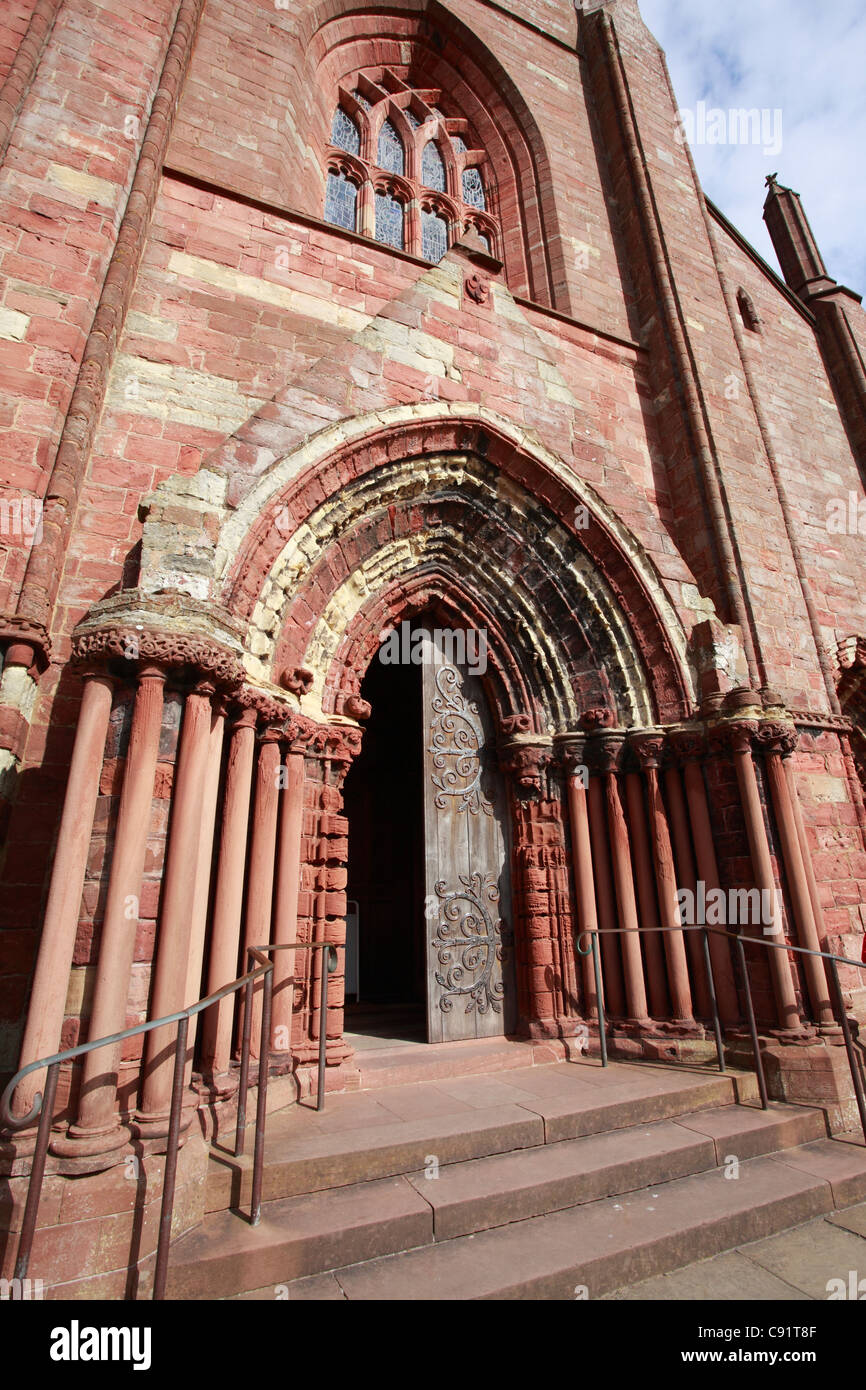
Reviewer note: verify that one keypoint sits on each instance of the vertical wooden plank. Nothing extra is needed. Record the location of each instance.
(470, 991)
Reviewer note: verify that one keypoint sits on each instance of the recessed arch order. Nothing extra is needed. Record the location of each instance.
(463, 515)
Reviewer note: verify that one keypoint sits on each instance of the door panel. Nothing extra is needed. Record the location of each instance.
(470, 971)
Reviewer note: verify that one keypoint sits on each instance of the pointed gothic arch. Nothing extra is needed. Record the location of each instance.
(439, 54)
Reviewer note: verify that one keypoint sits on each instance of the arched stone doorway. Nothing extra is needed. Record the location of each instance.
(430, 914)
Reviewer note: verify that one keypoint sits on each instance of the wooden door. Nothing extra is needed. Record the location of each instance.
(467, 908)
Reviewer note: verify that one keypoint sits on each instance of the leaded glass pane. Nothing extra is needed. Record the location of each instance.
(432, 168)
(341, 201)
(460, 144)
(486, 239)
(434, 236)
(412, 118)
(389, 221)
(390, 154)
(361, 99)
(344, 133)
(473, 189)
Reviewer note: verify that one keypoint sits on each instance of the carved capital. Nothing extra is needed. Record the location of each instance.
(735, 735)
(571, 752)
(29, 637)
(688, 745)
(774, 736)
(604, 752)
(524, 763)
(649, 748)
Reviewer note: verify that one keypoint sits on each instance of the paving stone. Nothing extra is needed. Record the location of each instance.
(811, 1256)
(731, 1277)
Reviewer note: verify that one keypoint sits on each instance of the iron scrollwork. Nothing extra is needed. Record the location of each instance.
(469, 942)
(456, 739)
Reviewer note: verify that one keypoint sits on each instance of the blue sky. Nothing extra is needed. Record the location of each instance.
(805, 61)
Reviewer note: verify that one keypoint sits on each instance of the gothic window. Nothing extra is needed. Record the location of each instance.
(341, 201)
(344, 133)
(403, 169)
(473, 189)
(389, 220)
(390, 152)
(434, 236)
(432, 169)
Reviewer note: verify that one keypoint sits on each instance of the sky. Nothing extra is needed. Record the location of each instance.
(802, 63)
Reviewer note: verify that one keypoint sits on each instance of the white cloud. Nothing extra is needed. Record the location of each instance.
(807, 63)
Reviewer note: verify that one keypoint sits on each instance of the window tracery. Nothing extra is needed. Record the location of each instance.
(416, 179)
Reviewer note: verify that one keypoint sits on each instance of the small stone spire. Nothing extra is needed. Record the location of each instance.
(793, 240)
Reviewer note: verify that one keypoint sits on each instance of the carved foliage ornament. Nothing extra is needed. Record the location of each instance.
(171, 649)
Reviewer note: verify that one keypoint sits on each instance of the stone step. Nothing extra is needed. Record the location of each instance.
(590, 1250)
(359, 1138)
(473, 1196)
(309, 1234)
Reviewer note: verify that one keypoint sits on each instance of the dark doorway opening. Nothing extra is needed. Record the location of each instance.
(384, 805)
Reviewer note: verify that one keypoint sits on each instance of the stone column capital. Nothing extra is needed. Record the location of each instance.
(604, 751)
(523, 760)
(776, 736)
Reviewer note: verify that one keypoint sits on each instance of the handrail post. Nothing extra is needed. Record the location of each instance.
(849, 1048)
(599, 997)
(717, 1027)
(244, 1078)
(262, 1099)
(160, 1273)
(323, 1025)
(750, 1014)
(37, 1173)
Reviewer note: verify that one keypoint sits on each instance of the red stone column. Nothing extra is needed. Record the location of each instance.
(612, 982)
(776, 740)
(98, 1121)
(172, 947)
(228, 899)
(286, 894)
(60, 921)
(204, 871)
(739, 736)
(687, 877)
(586, 917)
(689, 748)
(649, 751)
(262, 860)
(653, 946)
(609, 751)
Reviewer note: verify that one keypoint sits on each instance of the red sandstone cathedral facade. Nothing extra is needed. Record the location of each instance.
(326, 328)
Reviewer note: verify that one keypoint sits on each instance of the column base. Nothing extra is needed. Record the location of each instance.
(81, 1142)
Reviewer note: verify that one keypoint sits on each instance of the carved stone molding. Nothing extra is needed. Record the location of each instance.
(593, 719)
(170, 629)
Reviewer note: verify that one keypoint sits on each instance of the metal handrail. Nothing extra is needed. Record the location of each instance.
(43, 1102)
(834, 959)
